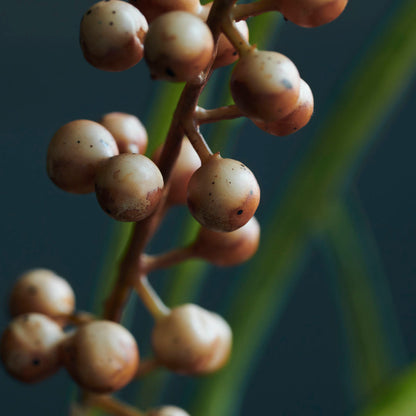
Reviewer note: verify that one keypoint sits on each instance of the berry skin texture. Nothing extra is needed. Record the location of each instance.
(228, 249)
(29, 347)
(42, 291)
(192, 340)
(265, 85)
(127, 130)
(311, 13)
(178, 47)
(112, 33)
(223, 194)
(167, 411)
(101, 356)
(154, 8)
(74, 153)
(186, 164)
(294, 121)
(128, 187)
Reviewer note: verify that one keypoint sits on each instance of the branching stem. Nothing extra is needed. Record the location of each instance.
(229, 112)
(165, 260)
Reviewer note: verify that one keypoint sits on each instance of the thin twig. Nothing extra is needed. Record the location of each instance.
(229, 112)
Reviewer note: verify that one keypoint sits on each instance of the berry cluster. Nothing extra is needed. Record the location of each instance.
(181, 41)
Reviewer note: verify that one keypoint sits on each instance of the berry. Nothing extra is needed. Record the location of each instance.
(154, 8)
(128, 187)
(101, 356)
(112, 34)
(74, 153)
(29, 347)
(192, 340)
(127, 130)
(265, 85)
(311, 13)
(223, 194)
(228, 249)
(167, 411)
(186, 164)
(178, 46)
(42, 291)
(294, 121)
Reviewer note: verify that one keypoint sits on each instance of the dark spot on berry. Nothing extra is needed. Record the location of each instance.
(114, 12)
(36, 361)
(235, 53)
(169, 72)
(239, 212)
(89, 12)
(111, 23)
(285, 19)
(213, 183)
(287, 84)
(295, 128)
(108, 211)
(78, 141)
(32, 290)
(91, 145)
(251, 192)
(210, 194)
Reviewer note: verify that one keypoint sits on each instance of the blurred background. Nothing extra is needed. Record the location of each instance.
(342, 306)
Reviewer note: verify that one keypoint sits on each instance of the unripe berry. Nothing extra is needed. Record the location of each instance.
(178, 46)
(101, 356)
(228, 249)
(192, 340)
(265, 85)
(186, 164)
(311, 13)
(74, 153)
(29, 347)
(294, 121)
(42, 291)
(167, 411)
(223, 194)
(154, 8)
(127, 130)
(128, 187)
(112, 34)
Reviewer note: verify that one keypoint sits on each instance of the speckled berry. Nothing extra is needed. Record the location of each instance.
(311, 13)
(223, 194)
(294, 121)
(186, 164)
(101, 356)
(265, 85)
(29, 347)
(178, 46)
(112, 33)
(42, 291)
(128, 187)
(192, 340)
(74, 153)
(228, 249)
(167, 411)
(127, 130)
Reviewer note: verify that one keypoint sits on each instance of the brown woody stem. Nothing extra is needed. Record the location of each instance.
(168, 259)
(111, 405)
(147, 366)
(229, 112)
(235, 37)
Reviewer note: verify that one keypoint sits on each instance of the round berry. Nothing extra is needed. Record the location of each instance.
(74, 153)
(223, 194)
(265, 85)
(186, 164)
(192, 340)
(178, 46)
(294, 121)
(112, 34)
(228, 249)
(154, 8)
(101, 356)
(42, 291)
(128, 187)
(127, 130)
(167, 411)
(311, 13)
(29, 347)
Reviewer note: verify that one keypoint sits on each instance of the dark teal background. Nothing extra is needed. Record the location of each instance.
(45, 83)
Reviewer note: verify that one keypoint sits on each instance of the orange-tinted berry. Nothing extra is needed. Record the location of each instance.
(29, 347)
(154, 8)
(178, 46)
(228, 249)
(223, 194)
(74, 153)
(311, 13)
(112, 34)
(265, 85)
(294, 121)
(192, 340)
(127, 130)
(101, 356)
(167, 411)
(128, 187)
(42, 291)
(186, 164)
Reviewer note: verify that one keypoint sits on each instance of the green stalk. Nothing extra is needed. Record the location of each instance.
(368, 97)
